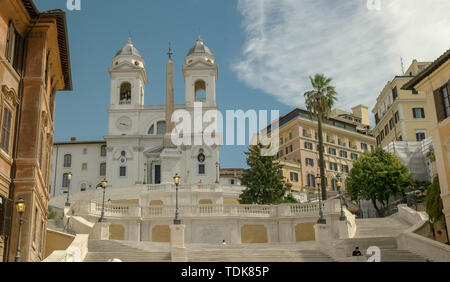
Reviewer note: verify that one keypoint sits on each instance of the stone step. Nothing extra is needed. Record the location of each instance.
(128, 257)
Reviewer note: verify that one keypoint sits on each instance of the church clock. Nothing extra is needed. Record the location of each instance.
(124, 123)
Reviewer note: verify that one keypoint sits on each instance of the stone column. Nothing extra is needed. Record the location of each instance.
(100, 231)
(177, 247)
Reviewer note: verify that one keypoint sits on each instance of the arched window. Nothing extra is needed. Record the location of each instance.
(200, 90)
(68, 160)
(161, 128)
(151, 131)
(103, 151)
(125, 93)
(65, 180)
(83, 187)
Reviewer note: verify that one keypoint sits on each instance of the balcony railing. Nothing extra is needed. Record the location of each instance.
(94, 209)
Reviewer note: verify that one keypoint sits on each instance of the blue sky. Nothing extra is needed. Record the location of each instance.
(102, 27)
(265, 51)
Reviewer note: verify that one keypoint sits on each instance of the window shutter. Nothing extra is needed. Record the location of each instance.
(6, 219)
(10, 42)
(18, 53)
(423, 112)
(439, 104)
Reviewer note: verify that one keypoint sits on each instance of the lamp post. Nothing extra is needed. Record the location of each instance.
(20, 206)
(321, 219)
(69, 177)
(176, 180)
(217, 173)
(103, 185)
(341, 198)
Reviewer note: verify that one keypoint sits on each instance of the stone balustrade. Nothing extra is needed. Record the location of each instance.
(94, 209)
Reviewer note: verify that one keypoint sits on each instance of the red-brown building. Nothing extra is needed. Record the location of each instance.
(34, 64)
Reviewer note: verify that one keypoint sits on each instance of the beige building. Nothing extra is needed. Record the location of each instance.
(344, 142)
(401, 115)
(34, 64)
(434, 83)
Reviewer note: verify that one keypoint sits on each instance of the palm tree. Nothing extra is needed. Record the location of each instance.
(319, 103)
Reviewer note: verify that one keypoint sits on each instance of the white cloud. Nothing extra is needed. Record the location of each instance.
(289, 40)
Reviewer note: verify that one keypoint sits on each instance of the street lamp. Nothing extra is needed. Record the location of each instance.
(69, 177)
(217, 172)
(20, 206)
(321, 219)
(341, 198)
(103, 185)
(176, 180)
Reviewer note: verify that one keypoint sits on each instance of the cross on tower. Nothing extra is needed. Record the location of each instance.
(170, 53)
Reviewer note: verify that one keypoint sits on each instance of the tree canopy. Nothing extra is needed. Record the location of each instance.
(264, 183)
(376, 176)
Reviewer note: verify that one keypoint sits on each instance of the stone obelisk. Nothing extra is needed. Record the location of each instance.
(170, 104)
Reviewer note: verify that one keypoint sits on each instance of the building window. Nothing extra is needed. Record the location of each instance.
(442, 102)
(280, 154)
(201, 169)
(281, 141)
(83, 187)
(151, 131)
(420, 136)
(377, 118)
(289, 149)
(394, 93)
(311, 180)
(103, 169)
(41, 149)
(6, 129)
(68, 160)
(65, 180)
(364, 147)
(306, 133)
(103, 151)
(125, 93)
(14, 48)
(200, 90)
(345, 168)
(308, 146)
(84, 166)
(290, 136)
(396, 117)
(333, 166)
(415, 92)
(85, 151)
(294, 176)
(354, 156)
(343, 154)
(332, 151)
(382, 135)
(372, 148)
(334, 184)
(35, 224)
(232, 181)
(309, 162)
(418, 113)
(161, 128)
(123, 171)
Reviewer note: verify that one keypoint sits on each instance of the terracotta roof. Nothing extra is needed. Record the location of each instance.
(427, 71)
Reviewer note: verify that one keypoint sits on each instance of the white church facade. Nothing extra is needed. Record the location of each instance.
(138, 147)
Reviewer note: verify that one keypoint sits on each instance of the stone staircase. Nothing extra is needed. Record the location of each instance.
(102, 251)
(382, 233)
(380, 227)
(303, 252)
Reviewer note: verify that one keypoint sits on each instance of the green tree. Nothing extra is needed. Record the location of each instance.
(434, 204)
(376, 176)
(264, 183)
(319, 103)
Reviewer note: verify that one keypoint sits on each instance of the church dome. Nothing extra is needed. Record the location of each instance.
(128, 49)
(199, 48)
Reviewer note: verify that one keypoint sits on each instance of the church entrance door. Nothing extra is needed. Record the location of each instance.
(157, 174)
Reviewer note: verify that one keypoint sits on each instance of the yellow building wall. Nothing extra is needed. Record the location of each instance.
(305, 232)
(116, 232)
(161, 234)
(57, 241)
(251, 234)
